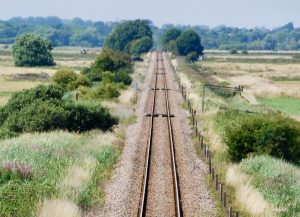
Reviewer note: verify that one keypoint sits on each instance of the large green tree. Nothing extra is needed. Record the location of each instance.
(125, 34)
(32, 50)
(189, 41)
(169, 35)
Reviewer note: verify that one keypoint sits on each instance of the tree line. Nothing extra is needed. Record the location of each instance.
(77, 32)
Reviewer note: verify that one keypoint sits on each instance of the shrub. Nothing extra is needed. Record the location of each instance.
(108, 91)
(271, 134)
(70, 80)
(123, 77)
(32, 50)
(86, 117)
(141, 45)
(234, 52)
(245, 52)
(38, 116)
(43, 109)
(21, 99)
(192, 57)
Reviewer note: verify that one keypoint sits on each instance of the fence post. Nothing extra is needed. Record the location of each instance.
(203, 95)
(230, 212)
(221, 193)
(213, 173)
(217, 182)
(209, 164)
(225, 198)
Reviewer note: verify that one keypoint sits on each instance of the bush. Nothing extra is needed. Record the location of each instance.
(38, 116)
(141, 45)
(271, 134)
(108, 91)
(189, 41)
(43, 109)
(192, 57)
(234, 52)
(32, 50)
(86, 117)
(70, 80)
(24, 98)
(245, 52)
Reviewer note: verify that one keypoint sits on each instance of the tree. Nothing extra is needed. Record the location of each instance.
(32, 50)
(189, 41)
(124, 34)
(170, 35)
(141, 45)
(192, 56)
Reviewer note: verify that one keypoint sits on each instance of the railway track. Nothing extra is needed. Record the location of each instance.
(160, 197)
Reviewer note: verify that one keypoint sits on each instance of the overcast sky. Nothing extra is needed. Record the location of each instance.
(239, 13)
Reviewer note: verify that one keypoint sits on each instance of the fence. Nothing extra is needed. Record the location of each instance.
(216, 181)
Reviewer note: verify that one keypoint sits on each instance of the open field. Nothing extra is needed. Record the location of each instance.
(260, 78)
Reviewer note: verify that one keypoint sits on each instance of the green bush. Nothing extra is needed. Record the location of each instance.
(38, 116)
(192, 57)
(69, 79)
(272, 134)
(32, 50)
(123, 76)
(24, 98)
(86, 117)
(234, 52)
(43, 109)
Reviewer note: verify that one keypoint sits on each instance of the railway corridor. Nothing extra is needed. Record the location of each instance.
(159, 190)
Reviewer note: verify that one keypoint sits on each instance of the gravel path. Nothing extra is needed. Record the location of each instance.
(124, 189)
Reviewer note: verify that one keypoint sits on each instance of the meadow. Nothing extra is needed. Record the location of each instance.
(59, 173)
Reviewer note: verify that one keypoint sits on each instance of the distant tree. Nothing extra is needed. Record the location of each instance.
(124, 34)
(32, 50)
(245, 52)
(170, 35)
(109, 60)
(234, 52)
(141, 45)
(192, 57)
(189, 41)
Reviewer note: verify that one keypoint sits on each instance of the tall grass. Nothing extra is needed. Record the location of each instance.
(277, 181)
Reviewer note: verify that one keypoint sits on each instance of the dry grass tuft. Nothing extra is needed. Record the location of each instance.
(77, 175)
(59, 208)
(248, 198)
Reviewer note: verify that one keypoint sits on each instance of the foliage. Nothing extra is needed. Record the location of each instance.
(43, 109)
(189, 41)
(278, 182)
(76, 32)
(141, 45)
(106, 90)
(109, 60)
(271, 134)
(111, 65)
(170, 35)
(69, 79)
(192, 57)
(234, 52)
(85, 117)
(245, 52)
(125, 34)
(32, 50)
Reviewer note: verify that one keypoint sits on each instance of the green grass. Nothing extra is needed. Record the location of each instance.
(44, 157)
(283, 78)
(33, 166)
(278, 181)
(288, 105)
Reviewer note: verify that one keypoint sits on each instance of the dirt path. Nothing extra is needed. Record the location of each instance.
(124, 189)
